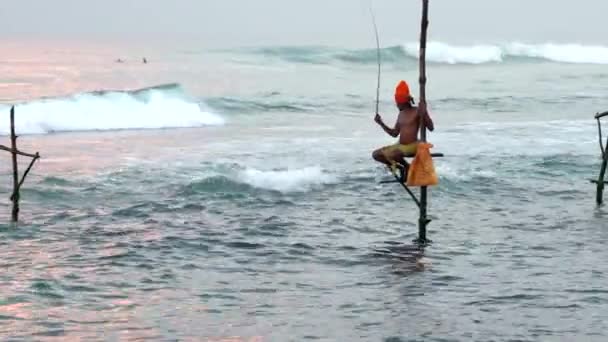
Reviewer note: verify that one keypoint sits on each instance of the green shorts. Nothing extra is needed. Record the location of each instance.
(408, 150)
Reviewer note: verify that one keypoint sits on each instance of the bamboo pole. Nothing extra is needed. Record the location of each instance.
(15, 195)
(25, 154)
(599, 196)
(17, 183)
(599, 131)
(36, 157)
(423, 220)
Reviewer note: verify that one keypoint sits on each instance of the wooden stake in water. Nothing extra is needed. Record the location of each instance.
(14, 153)
(15, 196)
(423, 220)
(599, 197)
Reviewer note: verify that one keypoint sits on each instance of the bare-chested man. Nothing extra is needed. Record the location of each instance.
(406, 127)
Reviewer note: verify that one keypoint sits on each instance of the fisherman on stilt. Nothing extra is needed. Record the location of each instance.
(407, 128)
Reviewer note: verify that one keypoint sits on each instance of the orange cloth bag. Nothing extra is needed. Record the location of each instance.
(422, 171)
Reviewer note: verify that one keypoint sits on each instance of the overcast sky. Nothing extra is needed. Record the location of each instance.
(221, 23)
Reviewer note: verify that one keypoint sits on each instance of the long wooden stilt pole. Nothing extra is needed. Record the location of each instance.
(15, 196)
(423, 220)
(599, 196)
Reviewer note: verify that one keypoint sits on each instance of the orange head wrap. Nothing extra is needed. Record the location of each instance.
(402, 93)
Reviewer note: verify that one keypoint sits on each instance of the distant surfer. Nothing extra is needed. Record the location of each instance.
(406, 127)
(145, 60)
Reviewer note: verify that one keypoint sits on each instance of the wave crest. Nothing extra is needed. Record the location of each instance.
(164, 106)
(478, 54)
(299, 180)
(443, 53)
(284, 181)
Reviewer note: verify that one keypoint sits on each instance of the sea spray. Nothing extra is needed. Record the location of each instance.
(156, 107)
(443, 53)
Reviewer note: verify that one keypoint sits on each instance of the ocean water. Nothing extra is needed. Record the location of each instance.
(230, 195)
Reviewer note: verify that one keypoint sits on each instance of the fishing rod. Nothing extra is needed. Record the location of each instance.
(371, 9)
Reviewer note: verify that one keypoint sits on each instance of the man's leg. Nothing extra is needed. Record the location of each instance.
(401, 153)
(399, 157)
(393, 158)
(380, 155)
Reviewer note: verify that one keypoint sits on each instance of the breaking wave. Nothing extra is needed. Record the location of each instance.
(165, 106)
(299, 180)
(477, 54)
(438, 52)
(248, 179)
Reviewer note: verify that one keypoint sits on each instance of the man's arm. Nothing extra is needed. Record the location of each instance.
(428, 122)
(393, 132)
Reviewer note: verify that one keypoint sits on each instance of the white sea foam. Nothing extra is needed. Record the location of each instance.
(297, 180)
(152, 108)
(490, 53)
